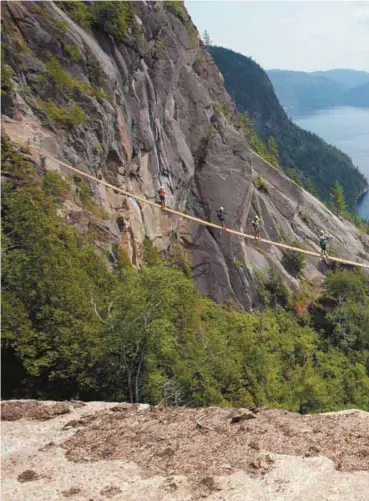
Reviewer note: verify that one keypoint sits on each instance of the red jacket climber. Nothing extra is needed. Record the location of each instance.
(162, 196)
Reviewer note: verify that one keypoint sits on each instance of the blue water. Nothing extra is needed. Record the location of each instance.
(346, 128)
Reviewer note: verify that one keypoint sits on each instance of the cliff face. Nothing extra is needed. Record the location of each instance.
(149, 108)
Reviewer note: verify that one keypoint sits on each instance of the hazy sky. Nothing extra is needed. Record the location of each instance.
(294, 35)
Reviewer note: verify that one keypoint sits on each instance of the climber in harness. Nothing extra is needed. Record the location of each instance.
(257, 227)
(221, 213)
(323, 243)
(162, 196)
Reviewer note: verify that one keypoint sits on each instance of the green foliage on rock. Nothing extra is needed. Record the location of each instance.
(6, 75)
(176, 7)
(293, 261)
(61, 78)
(63, 115)
(270, 151)
(86, 198)
(113, 17)
(64, 83)
(73, 52)
(61, 25)
(78, 11)
(41, 11)
(272, 291)
(260, 183)
(294, 175)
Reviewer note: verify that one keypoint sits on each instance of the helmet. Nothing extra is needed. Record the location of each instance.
(221, 208)
(321, 232)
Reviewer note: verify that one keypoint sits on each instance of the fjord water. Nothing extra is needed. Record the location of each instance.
(346, 128)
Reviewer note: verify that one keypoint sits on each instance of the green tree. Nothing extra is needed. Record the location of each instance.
(338, 198)
(349, 317)
(294, 175)
(149, 253)
(309, 186)
(206, 38)
(273, 155)
(49, 277)
(272, 147)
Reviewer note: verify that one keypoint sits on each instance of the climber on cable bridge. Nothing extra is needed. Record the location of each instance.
(323, 239)
(162, 196)
(257, 226)
(221, 213)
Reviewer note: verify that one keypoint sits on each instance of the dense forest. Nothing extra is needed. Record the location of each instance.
(76, 324)
(318, 165)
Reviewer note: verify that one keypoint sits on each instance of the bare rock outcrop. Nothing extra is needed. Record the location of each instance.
(131, 452)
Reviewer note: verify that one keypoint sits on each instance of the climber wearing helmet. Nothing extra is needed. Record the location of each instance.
(162, 196)
(221, 213)
(323, 243)
(256, 225)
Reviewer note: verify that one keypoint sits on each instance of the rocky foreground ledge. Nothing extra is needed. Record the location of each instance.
(98, 451)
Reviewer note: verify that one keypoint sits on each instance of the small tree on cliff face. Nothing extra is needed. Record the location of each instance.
(273, 155)
(206, 39)
(338, 198)
(272, 147)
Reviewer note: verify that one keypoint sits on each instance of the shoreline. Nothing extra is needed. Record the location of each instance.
(363, 192)
(359, 199)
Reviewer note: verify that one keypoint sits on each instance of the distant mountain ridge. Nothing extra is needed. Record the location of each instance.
(299, 90)
(350, 78)
(359, 96)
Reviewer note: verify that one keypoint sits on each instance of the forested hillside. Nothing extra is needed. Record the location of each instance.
(75, 326)
(301, 91)
(348, 78)
(298, 90)
(359, 96)
(318, 164)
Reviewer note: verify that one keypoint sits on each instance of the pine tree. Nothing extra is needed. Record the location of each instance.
(309, 186)
(272, 147)
(273, 155)
(206, 38)
(338, 198)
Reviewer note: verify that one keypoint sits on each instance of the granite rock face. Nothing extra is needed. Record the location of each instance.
(161, 116)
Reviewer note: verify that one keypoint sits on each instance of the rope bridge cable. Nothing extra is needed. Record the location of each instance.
(192, 218)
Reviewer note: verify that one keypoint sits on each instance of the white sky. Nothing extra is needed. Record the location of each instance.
(294, 35)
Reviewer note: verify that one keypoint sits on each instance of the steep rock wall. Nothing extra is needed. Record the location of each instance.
(155, 113)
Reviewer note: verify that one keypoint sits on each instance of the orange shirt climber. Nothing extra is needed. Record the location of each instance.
(162, 196)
